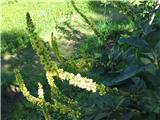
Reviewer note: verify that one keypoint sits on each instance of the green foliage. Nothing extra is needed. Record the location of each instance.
(137, 63)
(138, 12)
(123, 62)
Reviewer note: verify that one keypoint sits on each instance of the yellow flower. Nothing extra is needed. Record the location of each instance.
(77, 80)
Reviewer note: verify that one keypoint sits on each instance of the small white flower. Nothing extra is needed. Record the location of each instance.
(40, 91)
(78, 76)
(62, 76)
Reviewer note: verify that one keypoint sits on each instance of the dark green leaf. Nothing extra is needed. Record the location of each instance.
(127, 73)
(153, 38)
(157, 48)
(134, 41)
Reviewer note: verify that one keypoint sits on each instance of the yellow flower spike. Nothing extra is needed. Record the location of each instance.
(54, 89)
(39, 46)
(26, 93)
(77, 80)
(57, 106)
(31, 27)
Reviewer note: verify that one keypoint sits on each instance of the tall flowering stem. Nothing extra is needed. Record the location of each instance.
(51, 66)
(39, 46)
(41, 95)
(45, 58)
(44, 105)
(40, 101)
(36, 101)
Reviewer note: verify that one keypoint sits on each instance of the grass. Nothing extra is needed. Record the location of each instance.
(46, 15)
(43, 14)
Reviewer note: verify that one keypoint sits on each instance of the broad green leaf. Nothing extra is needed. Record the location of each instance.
(138, 86)
(134, 41)
(157, 48)
(127, 73)
(153, 38)
(150, 68)
(146, 58)
(153, 105)
(151, 81)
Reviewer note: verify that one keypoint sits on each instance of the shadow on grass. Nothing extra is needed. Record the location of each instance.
(13, 40)
(70, 32)
(17, 53)
(81, 43)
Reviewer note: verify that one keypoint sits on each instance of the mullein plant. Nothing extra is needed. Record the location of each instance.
(59, 102)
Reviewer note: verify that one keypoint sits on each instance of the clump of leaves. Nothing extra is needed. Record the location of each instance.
(136, 59)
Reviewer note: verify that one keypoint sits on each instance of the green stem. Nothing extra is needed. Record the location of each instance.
(46, 113)
(85, 18)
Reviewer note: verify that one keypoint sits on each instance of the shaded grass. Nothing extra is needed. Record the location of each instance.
(12, 100)
(13, 41)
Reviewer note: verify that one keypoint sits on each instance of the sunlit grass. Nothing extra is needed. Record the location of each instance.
(43, 14)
